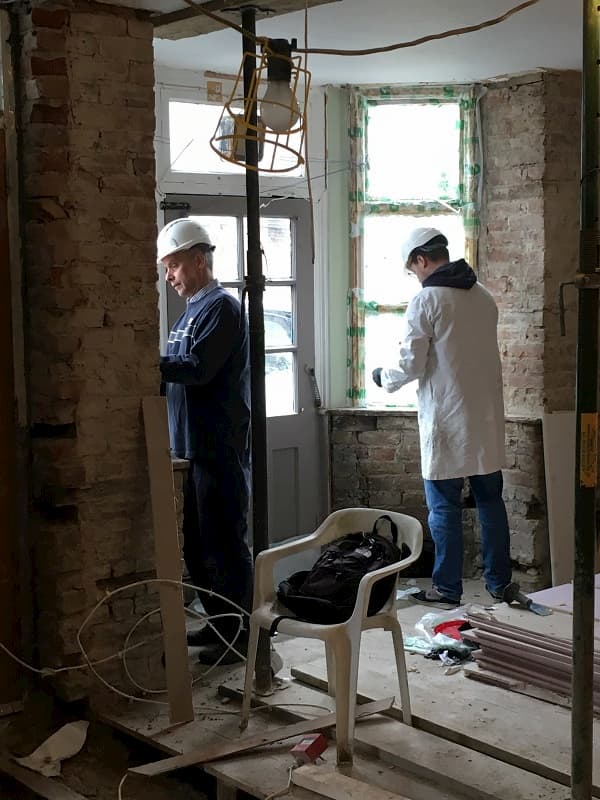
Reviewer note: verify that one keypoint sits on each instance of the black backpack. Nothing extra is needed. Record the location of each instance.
(327, 592)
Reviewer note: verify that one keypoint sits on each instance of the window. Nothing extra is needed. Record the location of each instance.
(191, 127)
(409, 171)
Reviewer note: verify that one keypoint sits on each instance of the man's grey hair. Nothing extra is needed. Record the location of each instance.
(208, 253)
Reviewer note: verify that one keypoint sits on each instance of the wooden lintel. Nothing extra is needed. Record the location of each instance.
(188, 22)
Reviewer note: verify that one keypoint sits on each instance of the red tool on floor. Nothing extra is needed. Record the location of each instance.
(309, 748)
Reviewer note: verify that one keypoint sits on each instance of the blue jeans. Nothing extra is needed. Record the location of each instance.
(444, 502)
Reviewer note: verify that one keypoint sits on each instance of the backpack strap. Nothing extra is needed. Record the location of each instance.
(393, 526)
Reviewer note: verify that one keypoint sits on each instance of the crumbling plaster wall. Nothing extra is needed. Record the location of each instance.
(528, 245)
(87, 100)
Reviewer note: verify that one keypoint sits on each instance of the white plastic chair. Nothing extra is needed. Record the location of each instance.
(342, 640)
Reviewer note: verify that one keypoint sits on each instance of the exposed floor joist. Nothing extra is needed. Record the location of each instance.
(188, 22)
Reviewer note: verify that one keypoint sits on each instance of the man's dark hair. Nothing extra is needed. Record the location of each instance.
(436, 249)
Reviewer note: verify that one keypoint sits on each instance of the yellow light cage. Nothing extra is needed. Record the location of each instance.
(234, 127)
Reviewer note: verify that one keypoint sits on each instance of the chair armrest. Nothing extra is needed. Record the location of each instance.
(265, 561)
(367, 582)
(264, 587)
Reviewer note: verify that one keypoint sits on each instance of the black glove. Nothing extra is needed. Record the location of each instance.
(376, 374)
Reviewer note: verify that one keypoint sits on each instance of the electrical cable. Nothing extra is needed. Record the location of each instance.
(373, 50)
(286, 788)
(120, 786)
(163, 581)
(306, 159)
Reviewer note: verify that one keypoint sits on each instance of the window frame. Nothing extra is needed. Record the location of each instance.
(171, 181)
(362, 206)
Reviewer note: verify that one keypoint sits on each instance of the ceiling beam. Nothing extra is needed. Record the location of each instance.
(187, 22)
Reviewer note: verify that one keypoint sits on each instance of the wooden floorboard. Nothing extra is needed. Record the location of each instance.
(525, 739)
(521, 730)
(441, 763)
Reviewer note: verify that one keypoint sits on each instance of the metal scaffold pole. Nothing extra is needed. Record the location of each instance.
(586, 478)
(255, 283)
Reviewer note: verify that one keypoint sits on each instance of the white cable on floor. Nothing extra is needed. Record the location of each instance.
(280, 792)
(120, 786)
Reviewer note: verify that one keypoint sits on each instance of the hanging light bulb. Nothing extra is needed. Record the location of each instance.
(279, 109)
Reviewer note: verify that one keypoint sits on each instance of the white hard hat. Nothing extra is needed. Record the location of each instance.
(180, 234)
(419, 238)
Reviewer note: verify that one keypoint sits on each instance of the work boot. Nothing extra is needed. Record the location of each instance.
(434, 596)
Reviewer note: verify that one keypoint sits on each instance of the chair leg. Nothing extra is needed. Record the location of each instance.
(396, 631)
(250, 665)
(346, 656)
(330, 661)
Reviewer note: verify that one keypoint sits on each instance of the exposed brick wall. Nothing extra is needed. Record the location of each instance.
(375, 462)
(92, 330)
(529, 237)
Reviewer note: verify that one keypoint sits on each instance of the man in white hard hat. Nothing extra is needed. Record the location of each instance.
(451, 348)
(207, 376)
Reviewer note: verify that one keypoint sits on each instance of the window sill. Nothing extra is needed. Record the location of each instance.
(373, 410)
(409, 412)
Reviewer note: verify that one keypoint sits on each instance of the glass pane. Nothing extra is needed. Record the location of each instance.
(413, 151)
(276, 241)
(280, 384)
(279, 324)
(223, 234)
(385, 279)
(192, 126)
(383, 333)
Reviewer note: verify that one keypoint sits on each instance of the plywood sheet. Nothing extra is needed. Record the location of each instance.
(560, 598)
(558, 431)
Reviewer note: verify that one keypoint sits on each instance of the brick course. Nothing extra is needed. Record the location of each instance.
(370, 478)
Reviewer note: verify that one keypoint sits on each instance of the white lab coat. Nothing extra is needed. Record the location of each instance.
(451, 348)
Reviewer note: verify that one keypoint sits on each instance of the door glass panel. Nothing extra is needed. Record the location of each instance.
(276, 241)
(233, 291)
(223, 234)
(279, 324)
(280, 384)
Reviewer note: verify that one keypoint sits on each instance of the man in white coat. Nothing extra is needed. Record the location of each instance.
(451, 348)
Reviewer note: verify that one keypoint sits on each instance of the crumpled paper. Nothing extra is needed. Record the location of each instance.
(65, 743)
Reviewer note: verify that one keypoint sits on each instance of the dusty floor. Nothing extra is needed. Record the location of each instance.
(97, 770)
